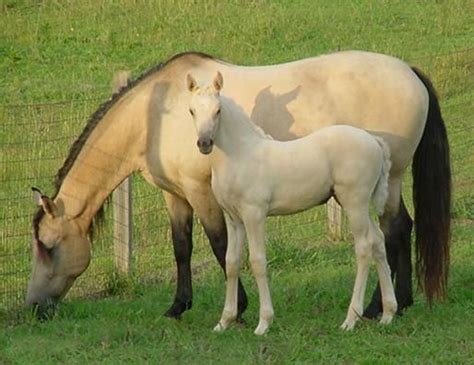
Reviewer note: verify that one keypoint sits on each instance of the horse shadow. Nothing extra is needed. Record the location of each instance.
(271, 109)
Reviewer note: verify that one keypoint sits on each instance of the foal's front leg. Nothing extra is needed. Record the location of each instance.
(235, 235)
(255, 227)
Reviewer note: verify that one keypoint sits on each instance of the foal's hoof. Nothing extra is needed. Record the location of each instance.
(219, 328)
(386, 319)
(348, 325)
(262, 328)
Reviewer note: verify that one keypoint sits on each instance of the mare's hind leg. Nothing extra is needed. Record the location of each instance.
(396, 225)
(212, 219)
(181, 217)
(403, 282)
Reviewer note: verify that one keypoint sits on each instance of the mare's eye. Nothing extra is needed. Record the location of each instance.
(218, 111)
(191, 112)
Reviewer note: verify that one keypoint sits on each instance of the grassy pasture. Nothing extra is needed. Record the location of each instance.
(58, 58)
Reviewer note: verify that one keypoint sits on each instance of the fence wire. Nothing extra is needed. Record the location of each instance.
(35, 139)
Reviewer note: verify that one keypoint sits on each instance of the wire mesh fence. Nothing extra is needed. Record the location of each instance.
(35, 138)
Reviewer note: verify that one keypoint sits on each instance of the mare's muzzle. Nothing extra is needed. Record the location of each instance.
(205, 145)
(46, 310)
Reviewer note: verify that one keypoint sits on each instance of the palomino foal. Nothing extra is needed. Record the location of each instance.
(254, 176)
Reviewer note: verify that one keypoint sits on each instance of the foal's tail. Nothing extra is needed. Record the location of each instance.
(431, 171)
(380, 194)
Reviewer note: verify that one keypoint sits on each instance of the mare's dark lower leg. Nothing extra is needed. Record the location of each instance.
(218, 240)
(398, 247)
(181, 217)
(403, 281)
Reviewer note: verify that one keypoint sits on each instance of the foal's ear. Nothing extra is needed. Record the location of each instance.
(191, 83)
(218, 81)
(48, 205)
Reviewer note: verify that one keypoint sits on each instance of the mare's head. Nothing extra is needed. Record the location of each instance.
(61, 252)
(205, 108)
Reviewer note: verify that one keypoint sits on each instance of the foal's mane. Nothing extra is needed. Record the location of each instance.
(93, 121)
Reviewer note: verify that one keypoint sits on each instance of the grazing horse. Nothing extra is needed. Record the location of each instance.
(254, 176)
(146, 128)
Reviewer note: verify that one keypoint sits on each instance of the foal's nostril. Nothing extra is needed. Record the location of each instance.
(205, 143)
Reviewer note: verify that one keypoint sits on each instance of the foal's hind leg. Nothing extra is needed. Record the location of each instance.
(369, 241)
(385, 281)
(396, 225)
(181, 216)
(398, 246)
(359, 222)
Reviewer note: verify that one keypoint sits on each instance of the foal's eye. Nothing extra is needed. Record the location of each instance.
(218, 111)
(191, 112)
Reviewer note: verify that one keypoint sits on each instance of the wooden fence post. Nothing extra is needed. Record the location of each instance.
(122, 200)
(334, 211)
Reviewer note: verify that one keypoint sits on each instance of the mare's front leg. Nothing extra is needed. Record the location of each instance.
(254, 220)
(235, 241)
(181, 217)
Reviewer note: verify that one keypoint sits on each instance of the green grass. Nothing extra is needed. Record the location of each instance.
(311, 286)
(56, 62)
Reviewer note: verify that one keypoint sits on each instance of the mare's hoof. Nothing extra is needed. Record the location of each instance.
(240, 320)
(404, 305)
(177, 309)
(373, 311)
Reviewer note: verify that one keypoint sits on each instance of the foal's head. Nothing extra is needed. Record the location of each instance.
(61, 252)
(205, 108)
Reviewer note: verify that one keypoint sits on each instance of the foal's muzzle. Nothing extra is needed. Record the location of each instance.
(205, 145)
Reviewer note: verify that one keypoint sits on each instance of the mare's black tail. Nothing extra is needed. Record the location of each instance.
(432, 200)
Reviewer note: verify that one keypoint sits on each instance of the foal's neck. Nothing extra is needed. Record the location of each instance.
(236, 131)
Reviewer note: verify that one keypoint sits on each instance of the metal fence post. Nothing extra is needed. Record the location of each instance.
(122, 200)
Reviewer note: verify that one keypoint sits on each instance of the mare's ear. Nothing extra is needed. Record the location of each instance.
(218, 81)
(48, 205)
(191, 83)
